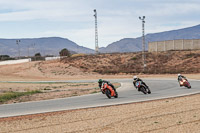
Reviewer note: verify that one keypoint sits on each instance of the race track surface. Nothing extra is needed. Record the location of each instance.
(127, 94)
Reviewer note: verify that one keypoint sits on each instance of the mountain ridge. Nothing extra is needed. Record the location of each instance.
(53, 45)
(44, 45)
(135, 44)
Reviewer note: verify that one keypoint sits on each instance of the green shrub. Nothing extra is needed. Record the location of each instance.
(12, 95)
(134, 58)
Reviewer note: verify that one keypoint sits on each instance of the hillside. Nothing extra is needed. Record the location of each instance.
(135, 44)
(104, 66)
(157, 63)
(52, 45)
(46, 46)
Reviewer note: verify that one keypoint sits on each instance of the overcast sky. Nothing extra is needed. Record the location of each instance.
(73, 19)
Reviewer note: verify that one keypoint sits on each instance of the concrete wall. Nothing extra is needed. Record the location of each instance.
(152, 46)
(55, 58)
(169, 45)
(178, 45)
(8, 62)
(196, 44)
(174, 45)
(52, 58)
(161, 46)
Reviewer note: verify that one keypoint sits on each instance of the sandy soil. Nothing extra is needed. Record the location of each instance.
(56, 70)
(176, 115)
(49, 90)
(47, 71)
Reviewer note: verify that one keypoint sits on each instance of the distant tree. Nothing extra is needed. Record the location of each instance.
(5, 57)
(37, 55)
(65, 52)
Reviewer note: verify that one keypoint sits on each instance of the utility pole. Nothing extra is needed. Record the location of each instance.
(17, 42)
(96, 32)
(28, 51)
(143, 43)
(34, 50)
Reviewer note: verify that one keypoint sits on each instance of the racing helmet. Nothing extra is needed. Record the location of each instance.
(134, 77)
(179, 74)
(100, 81)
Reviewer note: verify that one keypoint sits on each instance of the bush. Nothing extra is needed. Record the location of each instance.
(12, 95)
(37, 55)
(5, 57)
(134, 58)
(65, 52)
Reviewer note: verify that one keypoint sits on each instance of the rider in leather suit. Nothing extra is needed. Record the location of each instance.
(104, 81)
(180, 77)
(135, 79)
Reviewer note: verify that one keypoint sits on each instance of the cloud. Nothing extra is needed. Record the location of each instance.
(21, 10)
(117, 19)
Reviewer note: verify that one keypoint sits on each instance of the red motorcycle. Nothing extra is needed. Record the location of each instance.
(184, 82)
(109, 91)
(141, 87)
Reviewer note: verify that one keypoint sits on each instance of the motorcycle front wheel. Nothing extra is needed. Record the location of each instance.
(148, 91)
(142, 89)
(116, 95)
(108, 93)
(189, 86)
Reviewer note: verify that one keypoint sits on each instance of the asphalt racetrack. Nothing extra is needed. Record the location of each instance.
(160, 89)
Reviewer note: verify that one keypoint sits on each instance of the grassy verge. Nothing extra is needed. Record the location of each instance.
(12, 95)
(54, 92)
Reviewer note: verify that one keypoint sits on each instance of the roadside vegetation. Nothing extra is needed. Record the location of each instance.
(13, 95)
(18, 92)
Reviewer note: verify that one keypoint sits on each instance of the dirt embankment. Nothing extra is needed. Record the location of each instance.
(41, 70)
(157, 63)
(104, 66)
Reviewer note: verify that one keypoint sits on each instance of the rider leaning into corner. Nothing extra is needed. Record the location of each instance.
(104, 81)
(180, 77)
(135, 79)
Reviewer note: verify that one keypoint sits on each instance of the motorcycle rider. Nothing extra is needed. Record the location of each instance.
(180, 77)
(104, 81)
(135, 79)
